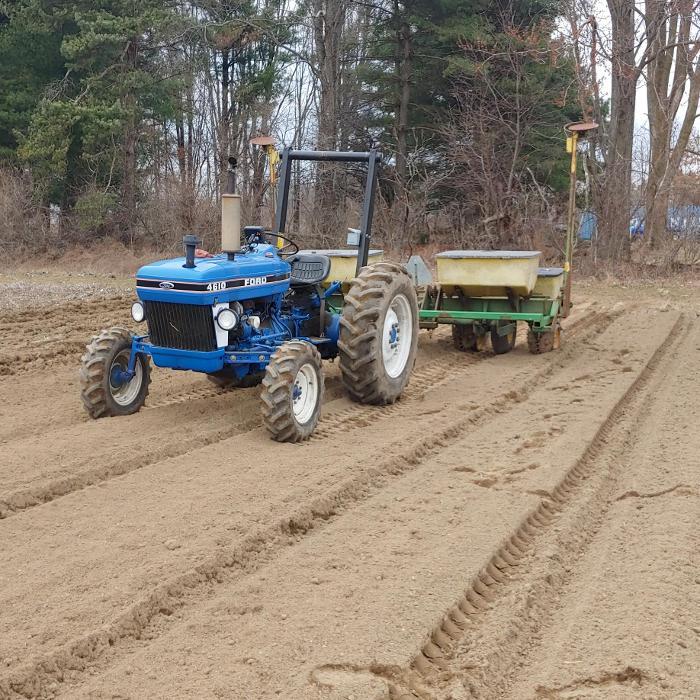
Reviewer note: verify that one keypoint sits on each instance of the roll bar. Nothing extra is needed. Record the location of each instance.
(372, 158)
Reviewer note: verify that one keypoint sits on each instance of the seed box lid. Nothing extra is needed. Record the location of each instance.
(550, 271)
(339, 253)
(489, 254)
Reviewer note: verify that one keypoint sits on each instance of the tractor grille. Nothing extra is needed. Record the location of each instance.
(181, 326)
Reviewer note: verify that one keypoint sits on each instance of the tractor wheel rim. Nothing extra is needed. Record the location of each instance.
(125, 394)
(397, 336)
(305, 394)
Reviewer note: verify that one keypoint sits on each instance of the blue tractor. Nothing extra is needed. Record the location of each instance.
(260, 314)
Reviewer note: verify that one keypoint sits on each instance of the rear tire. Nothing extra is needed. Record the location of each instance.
(102, 395)
(502, 344)
(292, 392)
(378, 334)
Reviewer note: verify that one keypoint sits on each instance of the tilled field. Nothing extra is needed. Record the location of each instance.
(515, 527)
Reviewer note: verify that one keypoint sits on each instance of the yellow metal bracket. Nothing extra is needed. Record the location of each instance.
(273, 158)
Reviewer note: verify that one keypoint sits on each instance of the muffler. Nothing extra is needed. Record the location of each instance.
(231, 214)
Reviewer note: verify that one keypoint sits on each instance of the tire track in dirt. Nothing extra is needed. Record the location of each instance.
(35, 343)
(444, 667)
(333, 391)
(424, 379)
(23, 499)
(430, 376)
(345, 419)
(20, 500)
(262, 546)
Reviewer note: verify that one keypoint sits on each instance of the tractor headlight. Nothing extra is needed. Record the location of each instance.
(137, 311)
(227, 319)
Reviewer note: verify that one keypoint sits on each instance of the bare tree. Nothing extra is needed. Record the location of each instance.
(328, 26)
(673, 86)
(613, 192)
(659, 41)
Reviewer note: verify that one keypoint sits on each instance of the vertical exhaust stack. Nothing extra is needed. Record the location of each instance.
(231, 214)
(230, 224)
(190, 242)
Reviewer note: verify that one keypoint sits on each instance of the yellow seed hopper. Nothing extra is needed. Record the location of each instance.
(488, 273)
(487, 292)
(549, 282)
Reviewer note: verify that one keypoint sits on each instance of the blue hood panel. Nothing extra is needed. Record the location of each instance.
(214, 280)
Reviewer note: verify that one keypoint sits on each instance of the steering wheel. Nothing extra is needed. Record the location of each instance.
(288, 243)
(255, 235)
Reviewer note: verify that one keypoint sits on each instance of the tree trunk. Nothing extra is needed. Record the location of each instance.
(128, 193)
(404, 46)
(672, 74)
(403, 63)
(329, 20)
(657, 192)
(656, 219)
(224, 126)
(180, 135)
(614, 193)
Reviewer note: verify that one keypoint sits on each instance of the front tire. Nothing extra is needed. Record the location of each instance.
(292, 392)
(101, 391)
(378, 334)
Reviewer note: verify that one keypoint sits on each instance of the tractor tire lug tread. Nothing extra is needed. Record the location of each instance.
(94, 370)
(360, 350)
(277, 385)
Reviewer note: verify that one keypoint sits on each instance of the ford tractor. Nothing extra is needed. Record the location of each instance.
(258, 313)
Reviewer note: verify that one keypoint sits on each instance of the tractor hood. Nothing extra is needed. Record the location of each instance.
(214, 280)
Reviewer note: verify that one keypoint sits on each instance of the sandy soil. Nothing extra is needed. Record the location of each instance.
(515, 527)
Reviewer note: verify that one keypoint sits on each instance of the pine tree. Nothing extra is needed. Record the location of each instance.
(30, 61)
(85, 138)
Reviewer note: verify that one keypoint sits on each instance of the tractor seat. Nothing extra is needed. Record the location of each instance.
(309, 268)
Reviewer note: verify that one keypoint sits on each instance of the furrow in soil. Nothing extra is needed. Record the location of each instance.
(255, 498)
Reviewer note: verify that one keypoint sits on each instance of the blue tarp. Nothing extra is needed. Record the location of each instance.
(683, 221)
(587, 225)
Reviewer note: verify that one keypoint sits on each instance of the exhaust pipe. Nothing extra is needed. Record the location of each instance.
(231, 214)
(190, 242)
(231, 224)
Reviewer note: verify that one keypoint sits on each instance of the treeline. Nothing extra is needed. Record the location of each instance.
(117, 116)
